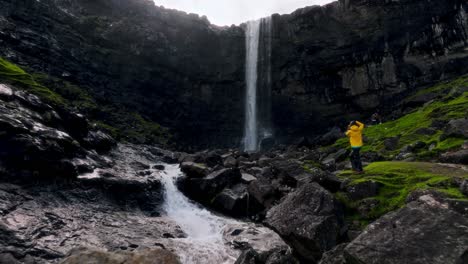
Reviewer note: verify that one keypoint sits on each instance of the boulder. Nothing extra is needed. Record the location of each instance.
(338, 156)
(212, 159)
(362, 190)
(264, 192)
(99, 141)
(327, 180)
(247, 178)
(457, 128)
(230, 162)
(334, 256)
(206, 188)
(309, 220)
(233, 201)
(458, 157)
(424, 231)
(194, 170)
(86, 255)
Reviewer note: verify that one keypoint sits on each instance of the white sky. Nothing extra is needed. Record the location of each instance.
(228, 12)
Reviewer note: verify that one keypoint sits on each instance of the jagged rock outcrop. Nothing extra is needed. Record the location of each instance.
(424, 231)
(328, 63)
(309, 220)
(39, 141)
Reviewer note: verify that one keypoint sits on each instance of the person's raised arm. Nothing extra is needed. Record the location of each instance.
(360, 125)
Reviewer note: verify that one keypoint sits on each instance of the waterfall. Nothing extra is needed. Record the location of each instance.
(258, 82)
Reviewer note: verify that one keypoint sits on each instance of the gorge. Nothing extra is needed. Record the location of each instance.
(133, 133)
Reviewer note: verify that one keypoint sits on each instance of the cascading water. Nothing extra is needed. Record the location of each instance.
(258, 82)
(251, 127)
(204, 230)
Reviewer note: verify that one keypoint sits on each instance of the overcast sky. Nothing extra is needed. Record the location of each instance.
(228, 12)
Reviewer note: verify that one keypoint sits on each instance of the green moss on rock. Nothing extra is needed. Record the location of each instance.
(396, 181)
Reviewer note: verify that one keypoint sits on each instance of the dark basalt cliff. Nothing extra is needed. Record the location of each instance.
(342, 60)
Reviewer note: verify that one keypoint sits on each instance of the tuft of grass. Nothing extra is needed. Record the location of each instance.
(397, 181)
(14, 75)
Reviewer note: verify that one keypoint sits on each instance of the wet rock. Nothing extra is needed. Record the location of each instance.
(327, 180)
(233, 201)
(458, 157)
(424, 231)
(264, 192)
(362, 190)
(194, 170)
(159, 167)
(338, 156)
(334, 256)
(230, 162)
(247, 178)
(464, 187)
(457, 128)
(259, 244)
(206, 188)
(86, 255)
(308, 220)
(136, 165)
(99, 141)
(213, 159)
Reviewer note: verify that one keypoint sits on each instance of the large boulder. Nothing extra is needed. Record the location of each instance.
(424, 231)
(194, 170)
(309, 220)
(457, 127)
(233, 201)
(206, 188)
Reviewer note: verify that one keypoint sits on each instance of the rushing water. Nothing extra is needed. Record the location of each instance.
(204, 242)
(258, 81)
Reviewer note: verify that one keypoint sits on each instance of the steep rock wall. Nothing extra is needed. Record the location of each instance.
(329, 64)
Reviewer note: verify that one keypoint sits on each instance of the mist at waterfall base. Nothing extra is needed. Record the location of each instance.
(258, 83)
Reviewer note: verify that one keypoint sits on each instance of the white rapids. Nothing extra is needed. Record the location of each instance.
(204, 230)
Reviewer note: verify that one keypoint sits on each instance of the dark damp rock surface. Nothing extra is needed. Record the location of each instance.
(424, 231)
(37, 140)
(330, 63)
(112, 208)
(309, 220)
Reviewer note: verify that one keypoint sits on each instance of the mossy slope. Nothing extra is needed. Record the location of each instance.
(451, 103)
(397, 180)
(121, 123)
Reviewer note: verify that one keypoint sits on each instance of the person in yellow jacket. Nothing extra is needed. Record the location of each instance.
(354, 133)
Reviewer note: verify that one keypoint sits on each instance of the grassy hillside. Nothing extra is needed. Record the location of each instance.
(396, 180)
(121, 123)
(451, 102)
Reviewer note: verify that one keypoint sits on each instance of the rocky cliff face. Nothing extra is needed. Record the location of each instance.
(343, 60)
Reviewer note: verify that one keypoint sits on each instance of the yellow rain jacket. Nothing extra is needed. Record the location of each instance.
(355, 135)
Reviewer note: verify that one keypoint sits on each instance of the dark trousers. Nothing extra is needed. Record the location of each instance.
(356, 159)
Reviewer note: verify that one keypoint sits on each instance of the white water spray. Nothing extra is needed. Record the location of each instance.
(204, 242)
